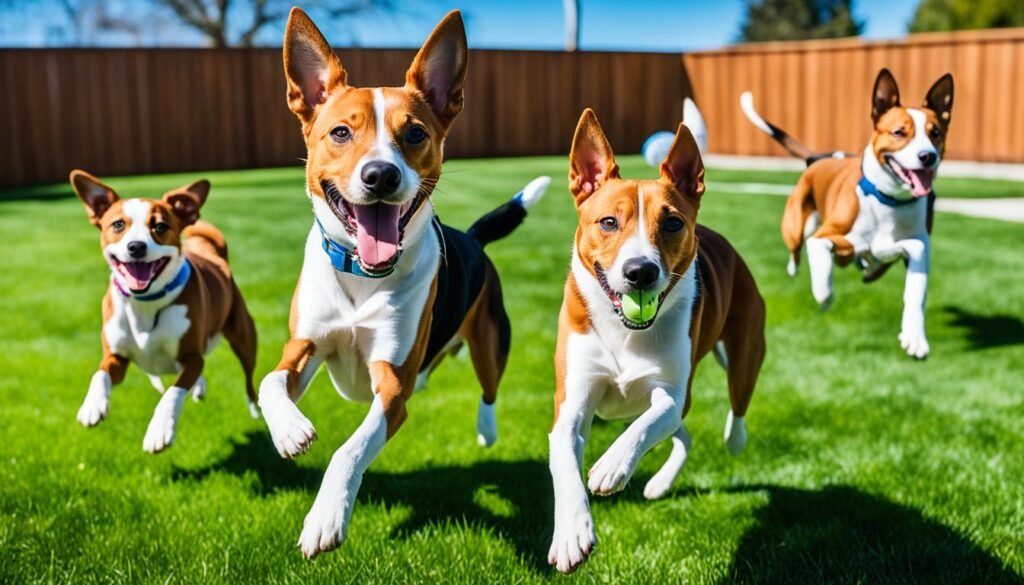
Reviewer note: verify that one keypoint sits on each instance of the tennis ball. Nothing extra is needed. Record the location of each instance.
(640, 306)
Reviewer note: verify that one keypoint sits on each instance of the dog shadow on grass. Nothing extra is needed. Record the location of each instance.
(987, 331)
(513, 499)
(839, 534)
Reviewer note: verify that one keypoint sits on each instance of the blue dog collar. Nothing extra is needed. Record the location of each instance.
(870, 189)
(184, 273)
(344, 260)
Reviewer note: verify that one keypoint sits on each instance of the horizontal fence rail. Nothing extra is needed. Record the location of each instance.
(128, 111)
(820, 91)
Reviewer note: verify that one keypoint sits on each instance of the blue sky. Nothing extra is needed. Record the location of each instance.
(652, 25)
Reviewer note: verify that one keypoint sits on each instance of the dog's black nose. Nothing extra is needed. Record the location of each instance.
(381, 178)
(137, 249)
(927, 157)
(640, 272)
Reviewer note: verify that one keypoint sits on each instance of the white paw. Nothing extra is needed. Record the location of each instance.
(199, 390)
(661, 483)
(791, 266)
(486, 425)
(823, 296)
(613, 470)
(97, 400)
(573, 542)
(290, 430)
(160, 433)
(735, 433)
(254, 411)
(325, 527)
(914, 343)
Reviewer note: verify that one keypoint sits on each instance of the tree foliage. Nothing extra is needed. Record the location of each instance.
(946, 15)
(791, 20)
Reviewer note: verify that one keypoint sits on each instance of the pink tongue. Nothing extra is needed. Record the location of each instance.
(139, 274)
(920, 182)
(377, 234)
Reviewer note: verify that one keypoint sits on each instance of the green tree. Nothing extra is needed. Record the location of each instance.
(792, 20)
(945, 15)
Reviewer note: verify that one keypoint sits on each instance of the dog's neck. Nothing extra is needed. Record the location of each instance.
(143, 308)
(883, 179)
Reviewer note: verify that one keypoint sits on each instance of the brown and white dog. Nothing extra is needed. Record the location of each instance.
(171, 298)
(875, 208)
(641, 239)
(386, 290)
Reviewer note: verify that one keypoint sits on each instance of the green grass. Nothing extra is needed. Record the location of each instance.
(863, 465)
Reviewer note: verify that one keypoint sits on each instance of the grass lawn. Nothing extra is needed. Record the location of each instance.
(863, 466)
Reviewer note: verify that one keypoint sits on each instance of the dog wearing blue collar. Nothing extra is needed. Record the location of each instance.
(171, 296)
(874, 209)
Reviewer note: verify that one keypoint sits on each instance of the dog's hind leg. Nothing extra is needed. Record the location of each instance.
(795, 219)
(488, 333)
(240, 331)
(659, 485)
(743, 336)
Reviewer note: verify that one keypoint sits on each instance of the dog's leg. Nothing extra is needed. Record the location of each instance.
(163, 425)
(659, 485)
(917, 253)
(796, 218)
(574, 537)
(290, 430)
(613, 470)
(743, 336)
(240, 332)
(97, 400)
(819, 263)
(487, 333)
(326, 525)
(199, 390)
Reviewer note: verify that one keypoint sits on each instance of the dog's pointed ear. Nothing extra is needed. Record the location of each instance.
(187, 200)
(940, 99)
(591, 161)
(683, 166)
(885, 95)
(439, 69)
(97, 197)
(312, 69)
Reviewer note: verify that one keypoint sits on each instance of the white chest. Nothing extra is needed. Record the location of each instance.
(150, 338)
(878, 224)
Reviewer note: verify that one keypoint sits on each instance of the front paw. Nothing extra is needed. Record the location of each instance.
(613, 470)
(324, 528)
(914, 343)
(160, 433)
(97, 400)
(573, 541)
(93, 410)
(290, 430)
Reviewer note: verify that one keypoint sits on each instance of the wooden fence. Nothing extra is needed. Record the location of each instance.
(115, 111)
(126, 111)
(820, 91)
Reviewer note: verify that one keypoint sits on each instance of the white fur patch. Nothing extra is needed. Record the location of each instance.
(534, 191)
(97, 400)
(290, 430)
(661, 482)
(819, 264)
(163, 425)
(486, 424)
(735, 433)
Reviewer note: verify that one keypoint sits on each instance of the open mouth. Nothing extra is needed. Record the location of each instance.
(636, 309)
(377, 228)
(919, 180)
(139, 275)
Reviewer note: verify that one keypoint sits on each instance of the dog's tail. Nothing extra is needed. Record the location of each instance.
(506, 218)
(788, 142)
(694, 120)
(205, 234)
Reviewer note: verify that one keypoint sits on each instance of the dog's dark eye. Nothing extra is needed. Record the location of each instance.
(415, 135)
(672, 224)
(160, 228)
(936, 133)
(118, 225)
(899, 133)
(341, 134)
(609, 224)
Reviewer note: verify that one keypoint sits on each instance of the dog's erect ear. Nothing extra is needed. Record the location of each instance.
(97, 197)
(885, 95)
(310, 65)
(439, 69)
(187, 200)
(683, 166)
(591, 161)
(940, 99)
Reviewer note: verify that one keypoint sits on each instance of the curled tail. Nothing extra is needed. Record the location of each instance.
(500, 222)
(788, 142)
(204, 232)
